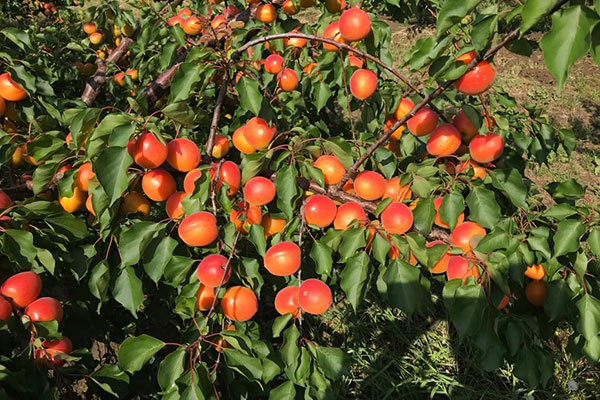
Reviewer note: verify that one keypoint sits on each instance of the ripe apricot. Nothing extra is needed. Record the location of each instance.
(158, 184)
(259, 191)
(333, 170)
(459, 268)
(477, 80)
(199, 229)
(397, 218)
(17, 157)
(258, 133)
(96, 38)
(288, 80)
(443, 141)
(240, 142)
(9, 89)
(252, 215)
(319, 210)
(75, 202)
(283, 259)
(442, 265)
(266, 13)
(363, 83)
(229, 173)
(6, 309)
(271, 225)
(294, 41)
(466, 236)
(192, 26)
(334, 6)
(389, 124)
(217, 21)
(89, 205)
(175, 20)
(239, 303)
(173, 206)
(314, 296)
(356, 62)
(486, 148)
(369, 185)
(212, 271)
(149, 152)
(464, 125)
(332, 31)
(347, 213)
(286, 301)
(205, 298)
(396, 191)
(535, 272)
(90, 28)
(438, 218)
(134, 202)
(84, 174)
(5, 200)
(424, 121)
(45, 309)
(536, 293)
(273, 64)
(221, 147)
(355, 25)
(54, 348)
(22, 288)
(183, 154)
(189, 182)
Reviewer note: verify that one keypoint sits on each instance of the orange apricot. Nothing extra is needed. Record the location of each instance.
(286, 301)
(266, 13)
(424, 121)
(536, 293)
(443, 141)
(347, 213)
(84, 174)
(355, 25)
(389, 123)
(535, 272)
(396, 191)
(173, 206)
(75, 202)
(189, 182)
(5, 200)
(288, 80)
(229, 173)
(205, 298)
(333, 170)
(314, 296)
(334, 6)
(240, 142)
(283, 259)
(459, 268)
(397, 218)
(477, 80)
(356, 62)
(89, 205)
(22, 288)
(213, 271)
(158, 184)
(259, 191)
(258, 133)
(319, 210)
(369, 185)
(363, 83)
(9, 89)
(90, 28)
(221, 147)
(466, 236)
(273, 64)
(271, 225)
(239, 303)
(199, 229)
(464, 125)
(486, 148)
(438, 218)
(289, 7)
(332, 31)
(252, 215)
(149, 152)
(134, 202)
(442, 265)
(192, 26)
(183, 154)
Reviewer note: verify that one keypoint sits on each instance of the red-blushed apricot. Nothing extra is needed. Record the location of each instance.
(349, 187)
(75, 202)
(460, 268)
(84, 174)
(271, 225)
(369, 185)
(17, 157)
(22, 288)
(424, 121)
(273, 64)
(443, 141)
(397, 218)
(189, 182)
(45, 309)
(477, 80)
(347, 213)
(319, 210)
(134, 202)
(240, 142)
(258, 133)
(314, 296)
(464, 125)
(5, 309)
(89, 205)
(294, 41)
(90, 28)
(5, 200)
(404, 107)
(286, 301)
(221, 147)
(396, 191)
(466, 236)
(173, 206)
(131, 147)
(158, 184)
(288, 80)
(205, 298)
(259, 191)
(175, 20)
(239, 303)
(333, 170)
(9, 89)
(289, 7)
(229, 173)
(133, 73)
(55, 348)
(266, 13)
(356, 62)
(389, 124)
(96, 38)
(442, 265)
(199, 229)
(183, 154)
(283, 259)
(192, 26)
(218, 21)
(184, 13)
(503, 302)
(438, 218)
(332, 31)
(334, 6)
(149, 152)
(355, 25)
(363, 83)
(536, 293)
(486, 148)
(536, 272)
(244, 215)
(211, 271)
(478, 171)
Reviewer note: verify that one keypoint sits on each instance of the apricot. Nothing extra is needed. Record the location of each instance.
(288, 80)
(90, 28)
(134, 202)
(217, 21)
(397, 218)
(363, 83)
(314, 296)
(438, 218)
(466, 236)
(389, 123)
(356, 62)
(9, 89)
(536, 272)
(221, 147)
(477, 80)
(212, 271)
(252, 214)
(75, 202)
(149, 152)
(259, 191)
(349, 187)
(334, 6)
(486, 148)
(536, 293)
(443, 141)
(333, 170)
(5, 200)
(319, 210)
(478, 171)
(442, 265)
(459, 268)
(55, 348)
(45, 309)
(347, 213)
(271, 225)
(5, 309)
(89, 205)
(205, 298)
(239, 303)
(158, 184)
(283, 259)
(355, 25)
(332, 31)
(199, 229)
(294, 41)
(183, 154)
(229, 173)
(258, 133)
(240, 142)
(464, 125)
(369, 185)
(84, 174)
(22, 288)
(424, 121)
(96, 38)
(16, 159)
(192, 26)
(266, 13)
(503, 302)
(175, 20)
(286, 301)
(273, 64)
(396, 191)
(173, 206)
(289, 7)
(184, 13)
(189, 182)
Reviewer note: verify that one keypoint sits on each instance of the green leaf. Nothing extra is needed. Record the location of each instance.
(352, 240)
(18, 37)
(18, 246)
(322, 93)
(589, 316)
(43, 175)
(407, 289)
(112, 380)
(192, 392)
(568, 40)
(468, 306)
(355, 277)
(134, 240)
(69, 225)
(483, 207)
(47, 260)
(567, 236)
(257, 237)
(424, 214)
(558, 299)
(287, 190)
(171, 368)
(135, 351)
(157, 256)
(494, 240)
(128, 291)
(512, 184)
(184, 80)
(593, 241)
(180, 112)
(250, 95)
(99, 280)
(333, 362)
(452, 12)
(280, 323)
(452, 205)
(289, 349)
(285, 391)
(47, 330)
(533, 11)
(381, 247)
(111, 170)
(321, 255)
(250, 367)
(483, 31)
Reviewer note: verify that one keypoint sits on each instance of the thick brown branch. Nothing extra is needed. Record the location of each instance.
(159, 86)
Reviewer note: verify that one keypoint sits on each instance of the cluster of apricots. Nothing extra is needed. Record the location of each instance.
(536, 289)
(97, 38)
(21, 291)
